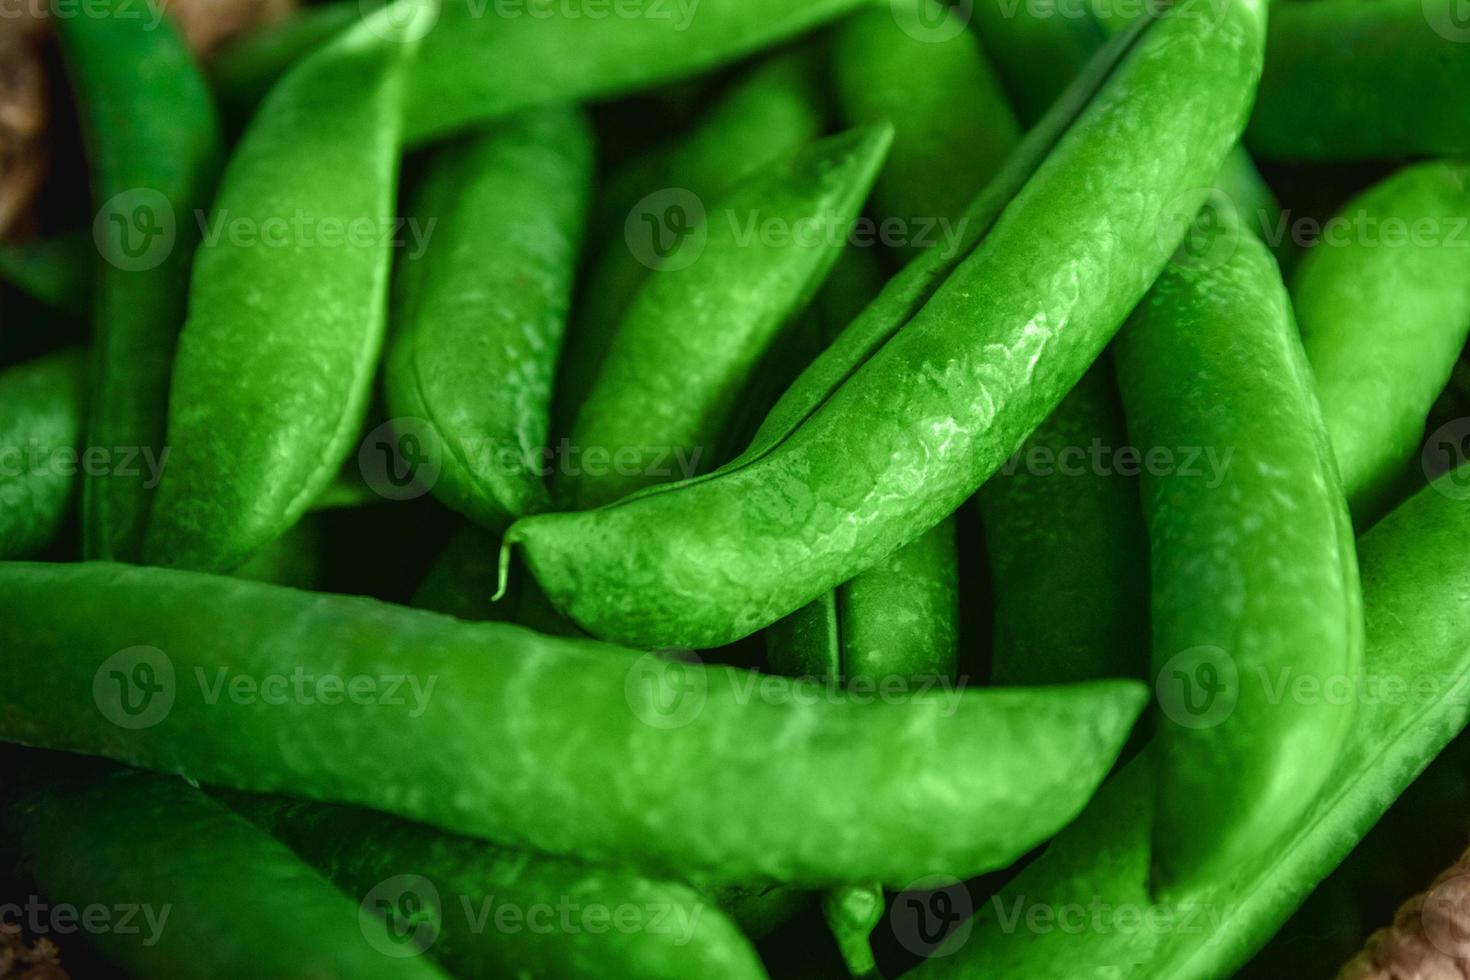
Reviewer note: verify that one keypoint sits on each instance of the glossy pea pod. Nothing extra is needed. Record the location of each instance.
(769, 113)
(1383, 301)
(484, 911)
(1411, 702)
(1363, 80)
(697, 329)
(197, 890)
(43, 407)
(661, 765)
(475, 67)
(480, 314)
(287, 307)
(1254, 577)
(154, 147)
(896, 427)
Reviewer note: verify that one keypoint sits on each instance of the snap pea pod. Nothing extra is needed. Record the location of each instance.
(1035, 51)
(481, 313)
(490, 911)
(293, 559)
(186, 865)
(42, 410)
(1253, 569)
(476, 67)
(695, 332)
(769, 114)
(944, 147)
(286, 309)
(57, 271)
(155, 149)
(1356, 80)
(1384, 306)
(916, 426)
(661, 765)
(462, 579)
(1083, 909)
(244, 70)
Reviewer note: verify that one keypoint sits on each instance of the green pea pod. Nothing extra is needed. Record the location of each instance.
(1411, 701)
(807, 643)
(1358, 80)
(286, 309)
(462, 579)
(155, 147)
(476, 67)
(662, 765)
(482, 311)
(56, 271)
(915, 424)
(1384, 306)
(488, 911)
(1036, 51)
(42, 408)
(944, 147)
(1253, 569)
(1067, 547)
(770, 114)
(697, 329)
(244, 70)
(188, 868)
(293, 559)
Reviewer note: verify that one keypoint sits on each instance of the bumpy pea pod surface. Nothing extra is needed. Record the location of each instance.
(1254, 577)
(698, 327)
(481, 313)
(671, 767)
(908, 433)
(213, 895)
(154, 146)
(476, 67)
(1384, 307)
(766, 116)
(1363, 80)
(488, 911)
(287, 307)
(1416, 585)
(43, 406)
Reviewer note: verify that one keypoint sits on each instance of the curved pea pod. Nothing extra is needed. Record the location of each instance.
(698, 328)
(944, 146)
(476, 67)
(43, 405)
(660, 765)
(1067, 546)
(481, 312)
(1384, 306)
(154, 148)
(1363, 80)
(488, 911)
(918, 417)
(179, 866)
(769, 114)
(1254, 574)
(1411, 701)
(287, 305)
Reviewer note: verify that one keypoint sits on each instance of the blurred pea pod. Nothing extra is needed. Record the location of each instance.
(480, 314)
(42, 411)
(286, 318)
(1364, 79)
(697, 329)
(1383, 301)
(875, 445)
(105, 837)
(1416, 585)
(768, 114)
(56, 271)
(155, 149)
(244, 70)
(1253, 570)
(453, 895)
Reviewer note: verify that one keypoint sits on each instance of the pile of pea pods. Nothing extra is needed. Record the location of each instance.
(742, 488)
